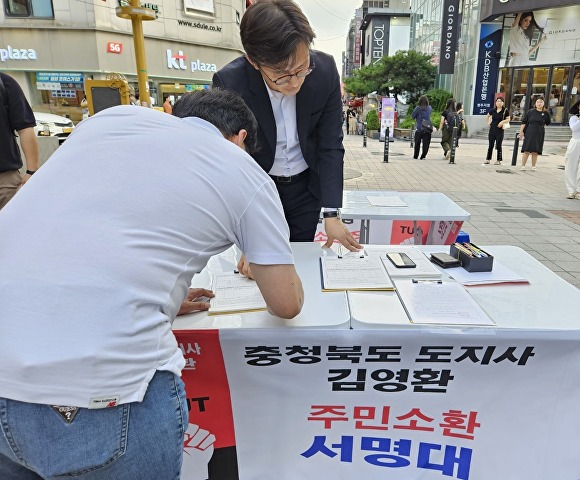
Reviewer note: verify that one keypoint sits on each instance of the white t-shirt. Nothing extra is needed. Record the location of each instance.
(98, 249)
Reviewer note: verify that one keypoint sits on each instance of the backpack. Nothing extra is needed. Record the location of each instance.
(452, 120)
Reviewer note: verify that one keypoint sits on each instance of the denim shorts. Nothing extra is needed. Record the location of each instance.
(133, 441)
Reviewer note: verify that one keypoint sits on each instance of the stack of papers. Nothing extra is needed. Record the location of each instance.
(354, 273)
(444, 303)
(499, 274)
(235, 293)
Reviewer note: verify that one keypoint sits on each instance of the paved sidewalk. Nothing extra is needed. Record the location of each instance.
(507, 206)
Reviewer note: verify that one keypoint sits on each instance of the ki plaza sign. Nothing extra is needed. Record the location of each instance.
(177, 61)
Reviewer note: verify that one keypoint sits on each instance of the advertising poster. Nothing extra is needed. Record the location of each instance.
(387, 118)
(543, 37)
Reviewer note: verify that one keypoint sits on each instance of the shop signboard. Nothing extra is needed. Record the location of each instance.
(449, 33)
(487, 67)
(59, 80)
(491, 9)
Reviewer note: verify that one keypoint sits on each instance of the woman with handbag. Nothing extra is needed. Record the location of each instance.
(498, 119)
(532, 132)
(422, 117)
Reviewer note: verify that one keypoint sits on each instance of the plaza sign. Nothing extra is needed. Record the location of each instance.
(10, 53)
(178, 62)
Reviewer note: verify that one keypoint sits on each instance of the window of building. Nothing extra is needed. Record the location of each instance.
(29, 8)
(203, 7)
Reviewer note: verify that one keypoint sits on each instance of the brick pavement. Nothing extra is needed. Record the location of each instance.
(507, 206)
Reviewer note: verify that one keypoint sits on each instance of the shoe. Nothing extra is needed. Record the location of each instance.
(421, 158)
(533, 169)
(571, 196)
(414, 158)
(578, 196)
(497, 163)
(451, 162)
(446, 153)
(522, 169)
(486, 162)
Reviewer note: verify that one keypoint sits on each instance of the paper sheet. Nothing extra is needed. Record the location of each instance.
(499, 274)
(354, 273)
(235, 293)
(446, 303)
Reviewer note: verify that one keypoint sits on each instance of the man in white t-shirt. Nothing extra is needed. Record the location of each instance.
(97, 253)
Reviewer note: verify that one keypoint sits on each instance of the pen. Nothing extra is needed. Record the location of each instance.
(439, 282)
(476, 250)
(464, 249)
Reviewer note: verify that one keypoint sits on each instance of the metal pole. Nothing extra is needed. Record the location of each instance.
(386, 149)
(453, 145)
(137, 14)
(516, 146)
(364, 134)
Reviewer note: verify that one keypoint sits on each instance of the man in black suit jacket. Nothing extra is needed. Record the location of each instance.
(294, 92)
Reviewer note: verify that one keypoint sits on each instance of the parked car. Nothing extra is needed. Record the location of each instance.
(48, 124)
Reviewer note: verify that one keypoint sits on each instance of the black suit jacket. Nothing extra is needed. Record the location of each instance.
(318, 115)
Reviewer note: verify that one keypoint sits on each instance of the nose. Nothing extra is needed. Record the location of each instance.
(295, 81)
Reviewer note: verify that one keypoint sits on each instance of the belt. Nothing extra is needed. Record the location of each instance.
(293, 178)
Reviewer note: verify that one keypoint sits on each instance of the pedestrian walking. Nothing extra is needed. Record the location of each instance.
(571, 170)
(462, 124)
(449, 119)
(351, 121)
(532, 132)
(497, 117)
(424, 129)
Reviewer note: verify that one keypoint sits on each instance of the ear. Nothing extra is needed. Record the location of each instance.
(239, 138)
(254, 64)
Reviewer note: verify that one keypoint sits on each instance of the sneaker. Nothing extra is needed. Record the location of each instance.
(522, 169)
(571, 196)
(578, 196)
(421, 158)
(414, 158)
(533, 169)
(446, 154)
(497, 163)
(486, 162)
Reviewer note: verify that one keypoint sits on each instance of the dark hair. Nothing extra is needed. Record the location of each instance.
(224, 109)
(459, 105)
(423, 102)
(271, 31)
(575, 109)
(529, 32)
(450, 105)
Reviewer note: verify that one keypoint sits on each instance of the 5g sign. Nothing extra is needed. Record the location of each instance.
(113, 47)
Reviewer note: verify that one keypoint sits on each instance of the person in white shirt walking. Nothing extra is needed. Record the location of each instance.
(572, 169)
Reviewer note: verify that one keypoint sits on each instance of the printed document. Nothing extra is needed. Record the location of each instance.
(436, 302)
(354, 273)
(235, 293)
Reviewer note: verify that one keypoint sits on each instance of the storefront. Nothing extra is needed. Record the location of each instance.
(540, 55)
(52, 65)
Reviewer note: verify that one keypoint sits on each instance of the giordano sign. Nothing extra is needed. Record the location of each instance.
(491, 9)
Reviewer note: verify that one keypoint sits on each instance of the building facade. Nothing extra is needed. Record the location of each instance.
(52, 46)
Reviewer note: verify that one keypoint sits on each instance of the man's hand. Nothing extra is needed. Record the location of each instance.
(196, 300)
(336, 230)
(244, 267)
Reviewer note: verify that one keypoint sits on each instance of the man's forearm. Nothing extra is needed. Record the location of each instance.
(29, 146)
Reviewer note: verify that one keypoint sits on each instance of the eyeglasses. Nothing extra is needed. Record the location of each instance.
(286, 78)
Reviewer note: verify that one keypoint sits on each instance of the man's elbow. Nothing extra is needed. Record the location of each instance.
(287, 310)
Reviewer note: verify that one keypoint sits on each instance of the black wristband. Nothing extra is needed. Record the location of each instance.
(333, 214)
(30, 172)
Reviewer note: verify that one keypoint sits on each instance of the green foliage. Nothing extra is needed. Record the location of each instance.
(437, 99)
(407, 73)
(372, 120)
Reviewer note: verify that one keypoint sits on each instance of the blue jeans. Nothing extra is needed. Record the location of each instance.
(134, 441)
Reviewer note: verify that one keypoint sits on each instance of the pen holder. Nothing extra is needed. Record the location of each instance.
(473, 263)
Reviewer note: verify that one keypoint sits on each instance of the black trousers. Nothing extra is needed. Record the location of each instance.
(495, 137)
(422, 138)
(301, 209)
